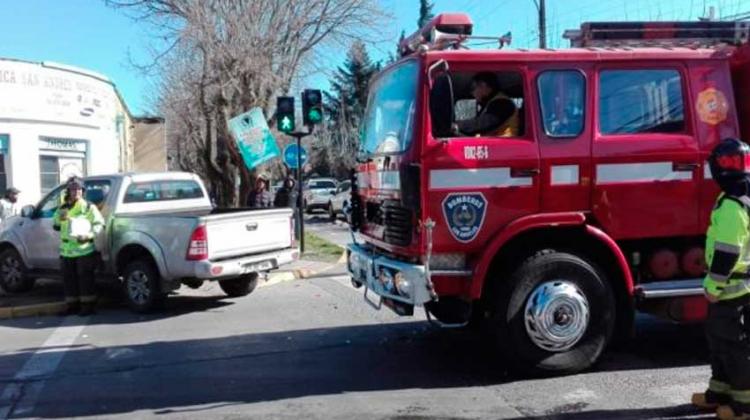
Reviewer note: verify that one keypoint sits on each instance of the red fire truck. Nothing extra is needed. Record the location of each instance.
(594, 209)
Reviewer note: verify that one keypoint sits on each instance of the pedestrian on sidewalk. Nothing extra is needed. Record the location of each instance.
(9, 204)
(79, 222)
(260, 197)
(727, 285)
(286, 196)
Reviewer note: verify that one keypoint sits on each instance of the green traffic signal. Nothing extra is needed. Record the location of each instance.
(312, 106)
(285, 114)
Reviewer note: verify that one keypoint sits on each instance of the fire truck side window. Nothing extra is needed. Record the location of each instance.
(562, 96)
(640, 101)
(487, 104)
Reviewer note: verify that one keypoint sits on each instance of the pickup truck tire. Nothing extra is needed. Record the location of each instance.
(554, 315)
(14, 276)
(241, 286)
(141, 283)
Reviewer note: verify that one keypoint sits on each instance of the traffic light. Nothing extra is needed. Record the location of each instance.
(285, 114)
(312, 106)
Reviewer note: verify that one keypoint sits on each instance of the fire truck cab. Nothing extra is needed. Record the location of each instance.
(555, 235)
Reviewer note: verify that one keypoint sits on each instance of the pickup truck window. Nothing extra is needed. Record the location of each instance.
(562, 96)
(144, 192)
(641, 101)
(97, 191)
(50, 204)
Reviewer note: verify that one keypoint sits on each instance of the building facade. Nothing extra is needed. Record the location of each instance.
(57, 121)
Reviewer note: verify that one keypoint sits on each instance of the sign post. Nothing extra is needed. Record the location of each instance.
(299, 162)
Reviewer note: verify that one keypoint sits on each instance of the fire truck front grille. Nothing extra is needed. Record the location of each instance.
(398, 224)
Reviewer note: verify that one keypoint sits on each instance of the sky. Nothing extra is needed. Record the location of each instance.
(91, 35)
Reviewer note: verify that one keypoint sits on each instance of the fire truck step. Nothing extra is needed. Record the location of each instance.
(670, 289)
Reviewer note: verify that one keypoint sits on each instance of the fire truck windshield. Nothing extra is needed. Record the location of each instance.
(389, 119)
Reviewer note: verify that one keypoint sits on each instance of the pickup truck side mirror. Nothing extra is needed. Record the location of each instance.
(27, 211)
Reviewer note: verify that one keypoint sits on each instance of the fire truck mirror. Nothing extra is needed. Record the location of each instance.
(442, 109)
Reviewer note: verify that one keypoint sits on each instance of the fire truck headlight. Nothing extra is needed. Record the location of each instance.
(403, 285)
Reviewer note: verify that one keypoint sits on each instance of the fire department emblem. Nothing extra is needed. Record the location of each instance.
(464, 213)
(712, 106)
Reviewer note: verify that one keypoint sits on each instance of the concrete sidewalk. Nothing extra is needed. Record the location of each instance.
(46, 296)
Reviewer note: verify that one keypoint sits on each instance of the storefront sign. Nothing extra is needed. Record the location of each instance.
(62, 145)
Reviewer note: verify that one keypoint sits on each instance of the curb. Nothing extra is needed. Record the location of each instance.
(39, 309)
(299, 274)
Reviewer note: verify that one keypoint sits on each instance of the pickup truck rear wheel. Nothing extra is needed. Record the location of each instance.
(142, 286)
(13, 273)
(554, 315)
(241, 286)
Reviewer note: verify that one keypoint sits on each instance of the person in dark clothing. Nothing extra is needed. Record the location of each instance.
(497, 115)
(260, 197)
(286, 196)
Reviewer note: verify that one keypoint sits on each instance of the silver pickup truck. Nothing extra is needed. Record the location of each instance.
(161, 231)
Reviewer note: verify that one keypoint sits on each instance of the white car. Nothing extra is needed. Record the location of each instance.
(317, 192)
(340, 200)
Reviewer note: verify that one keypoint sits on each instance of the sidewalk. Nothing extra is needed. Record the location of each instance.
(47, 295)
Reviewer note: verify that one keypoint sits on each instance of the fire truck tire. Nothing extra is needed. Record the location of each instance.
(554, 315)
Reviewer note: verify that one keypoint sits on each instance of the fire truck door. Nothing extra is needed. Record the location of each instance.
(645, 153)
(564, 136)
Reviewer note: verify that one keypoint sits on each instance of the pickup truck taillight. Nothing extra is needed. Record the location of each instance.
(198, 248)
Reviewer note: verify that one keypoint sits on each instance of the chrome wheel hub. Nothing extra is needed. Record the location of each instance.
(556, 315)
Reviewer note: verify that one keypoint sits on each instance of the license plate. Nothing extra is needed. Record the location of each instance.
(259, 266)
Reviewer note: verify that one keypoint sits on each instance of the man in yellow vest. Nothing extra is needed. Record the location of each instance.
(727, 285)
(497, 115)
(78, 222)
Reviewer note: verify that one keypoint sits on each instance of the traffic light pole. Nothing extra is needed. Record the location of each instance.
(298, 135)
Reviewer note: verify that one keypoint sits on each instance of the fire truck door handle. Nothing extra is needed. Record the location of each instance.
(523, 172)
(684, 167)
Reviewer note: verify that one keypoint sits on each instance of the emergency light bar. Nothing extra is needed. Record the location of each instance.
(672, 34)
(444, 30)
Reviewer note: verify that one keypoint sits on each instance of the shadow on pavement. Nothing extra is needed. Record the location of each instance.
(663, 413)
(166, 375)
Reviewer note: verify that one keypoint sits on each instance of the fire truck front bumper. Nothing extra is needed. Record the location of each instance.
(397, 283)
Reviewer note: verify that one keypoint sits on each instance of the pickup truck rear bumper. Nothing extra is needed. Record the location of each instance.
(216, 270)
(392, 279)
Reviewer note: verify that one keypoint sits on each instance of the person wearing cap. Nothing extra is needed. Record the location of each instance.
(9, 204)
(260, 197)
(78, 222)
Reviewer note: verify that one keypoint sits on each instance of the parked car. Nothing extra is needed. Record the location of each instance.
(317, 193)
(339, 200)
(161, 230)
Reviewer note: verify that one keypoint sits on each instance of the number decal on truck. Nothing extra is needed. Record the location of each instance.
(464, 214)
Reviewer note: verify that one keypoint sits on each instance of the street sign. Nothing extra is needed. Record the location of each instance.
(254, 139)
(290, 156)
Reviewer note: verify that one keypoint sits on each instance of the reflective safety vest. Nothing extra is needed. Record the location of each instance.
(71, 247)
(727, 248)
(510, 128)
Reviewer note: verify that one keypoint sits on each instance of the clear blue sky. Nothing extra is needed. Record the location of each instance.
(88, 34)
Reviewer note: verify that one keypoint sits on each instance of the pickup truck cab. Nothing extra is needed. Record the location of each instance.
(161, 231)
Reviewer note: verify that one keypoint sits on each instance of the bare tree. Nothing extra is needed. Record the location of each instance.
(218, 58)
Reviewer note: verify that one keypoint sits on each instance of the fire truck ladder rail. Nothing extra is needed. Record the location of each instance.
(670, 289)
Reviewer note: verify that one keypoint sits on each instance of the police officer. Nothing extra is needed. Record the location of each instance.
(727, 285)
(78, 222)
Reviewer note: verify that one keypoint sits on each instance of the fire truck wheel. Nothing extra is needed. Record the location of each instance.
(554, 315)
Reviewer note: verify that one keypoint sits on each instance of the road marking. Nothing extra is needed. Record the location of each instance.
(20, 396)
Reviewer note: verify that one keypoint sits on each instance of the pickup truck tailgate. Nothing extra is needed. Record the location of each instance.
(249, 232)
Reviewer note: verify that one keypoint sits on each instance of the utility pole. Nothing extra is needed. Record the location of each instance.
(540, 7)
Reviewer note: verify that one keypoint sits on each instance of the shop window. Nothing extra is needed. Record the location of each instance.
(49, 172)
(641, 101)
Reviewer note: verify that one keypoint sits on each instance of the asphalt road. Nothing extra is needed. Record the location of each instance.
(313, 349)
(320, 224)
